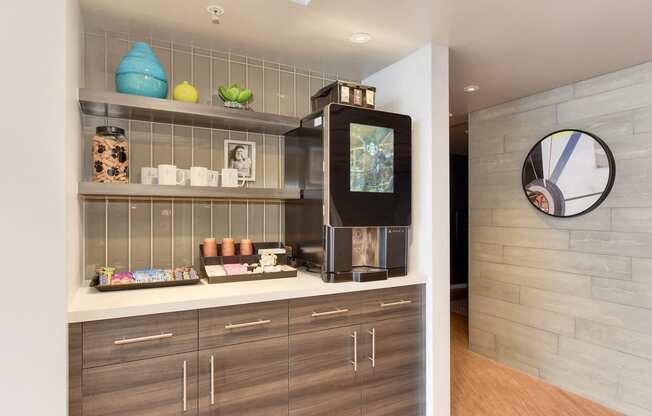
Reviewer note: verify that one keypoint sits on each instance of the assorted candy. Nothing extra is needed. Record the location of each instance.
(108, 276)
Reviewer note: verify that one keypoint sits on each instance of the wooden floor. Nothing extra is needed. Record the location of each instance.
(481, 387)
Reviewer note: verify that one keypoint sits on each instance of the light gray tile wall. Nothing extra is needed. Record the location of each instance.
(136, 233)
(567, 300)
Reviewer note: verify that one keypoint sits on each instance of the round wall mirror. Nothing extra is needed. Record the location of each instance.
(568, 173)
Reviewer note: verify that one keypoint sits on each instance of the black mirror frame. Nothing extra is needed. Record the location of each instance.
(610, 183)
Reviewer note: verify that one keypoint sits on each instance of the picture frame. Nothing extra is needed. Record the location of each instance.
(241, 155)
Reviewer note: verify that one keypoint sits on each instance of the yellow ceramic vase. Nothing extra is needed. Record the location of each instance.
(185, 92)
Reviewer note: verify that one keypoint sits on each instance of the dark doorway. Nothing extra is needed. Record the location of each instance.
(459, 218)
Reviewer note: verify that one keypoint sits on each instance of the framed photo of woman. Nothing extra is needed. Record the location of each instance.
(241, 155)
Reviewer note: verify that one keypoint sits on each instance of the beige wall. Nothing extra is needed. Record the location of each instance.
(567, 300)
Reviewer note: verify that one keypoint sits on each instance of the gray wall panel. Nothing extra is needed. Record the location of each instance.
(587, 279)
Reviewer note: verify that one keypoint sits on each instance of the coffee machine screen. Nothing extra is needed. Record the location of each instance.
(371, 158)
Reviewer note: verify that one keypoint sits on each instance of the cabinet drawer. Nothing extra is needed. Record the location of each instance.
(121, 340)
(324, 312)
(394, 302)
(243, 323)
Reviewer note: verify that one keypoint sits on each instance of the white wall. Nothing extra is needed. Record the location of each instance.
(74, 148)
(36, 113)
(418, 86)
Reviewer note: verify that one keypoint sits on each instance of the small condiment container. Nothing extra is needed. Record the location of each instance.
(246, 247)
(210, 247)
(228, 247)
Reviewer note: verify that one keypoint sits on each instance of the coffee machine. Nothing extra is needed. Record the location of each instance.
(352, 166)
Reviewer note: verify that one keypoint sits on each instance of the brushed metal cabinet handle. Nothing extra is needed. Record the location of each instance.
(125, 341)
(398, 303)
(248, 324)
(355, 351)
(373, 347)
(212, 379)
(185, 385)
(327, 313)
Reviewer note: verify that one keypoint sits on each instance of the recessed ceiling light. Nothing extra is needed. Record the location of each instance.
(471, 88)
(301, 2)
(215, 12)
(360, 37)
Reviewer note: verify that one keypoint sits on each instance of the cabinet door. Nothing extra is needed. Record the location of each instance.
(392, 379)
(323, 379)
(164, 386)
(245, 379)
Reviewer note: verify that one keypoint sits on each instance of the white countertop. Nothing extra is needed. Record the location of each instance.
(89, 304)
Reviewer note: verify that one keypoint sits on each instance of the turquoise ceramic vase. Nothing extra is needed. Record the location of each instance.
(141, 73)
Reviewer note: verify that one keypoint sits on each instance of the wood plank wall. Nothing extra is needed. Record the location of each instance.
(567, 300)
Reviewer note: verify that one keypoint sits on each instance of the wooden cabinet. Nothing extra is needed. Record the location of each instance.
(324, 312)
(391, 303)
(323, 375)
(371, 369)
(116, 341)
(164, 386)
(352, 354)
(392, 373)
(242, 323)
(245, 379)
(380, 376)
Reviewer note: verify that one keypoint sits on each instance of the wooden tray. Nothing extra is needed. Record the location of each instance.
(148, 285)
(250, 276)
(221, 260)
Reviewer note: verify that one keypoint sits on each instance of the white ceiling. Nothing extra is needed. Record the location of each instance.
(314, 37)
(510, 48)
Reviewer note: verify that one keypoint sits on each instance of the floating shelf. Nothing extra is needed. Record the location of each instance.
(198, 192)
(134, 107)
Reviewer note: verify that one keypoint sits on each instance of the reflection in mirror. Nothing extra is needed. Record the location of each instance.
(568, 173)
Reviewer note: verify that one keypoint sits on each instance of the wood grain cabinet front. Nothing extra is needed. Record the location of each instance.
(164, 386)
(242, 323)
(324, 379)
(392, 375)
(121, 340)
(324, 312)
(245, 379)
(352, 354)
(391, 303)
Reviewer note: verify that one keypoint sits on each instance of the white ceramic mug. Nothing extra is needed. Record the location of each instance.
(170, 175)
(213, 178)
(229, 178)
(185, 176)
(198, 176)
(149, 176)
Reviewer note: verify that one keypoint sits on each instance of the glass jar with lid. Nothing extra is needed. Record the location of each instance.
(110, 155)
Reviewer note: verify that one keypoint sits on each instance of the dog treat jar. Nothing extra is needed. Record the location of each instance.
(110, 155)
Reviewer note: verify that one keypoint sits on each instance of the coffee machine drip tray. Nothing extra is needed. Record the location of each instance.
(356, 274)
(368, 274)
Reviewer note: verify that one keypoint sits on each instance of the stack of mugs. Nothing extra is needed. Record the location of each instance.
(195, 176)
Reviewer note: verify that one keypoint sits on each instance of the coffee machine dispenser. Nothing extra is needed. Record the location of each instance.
(353, 168)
